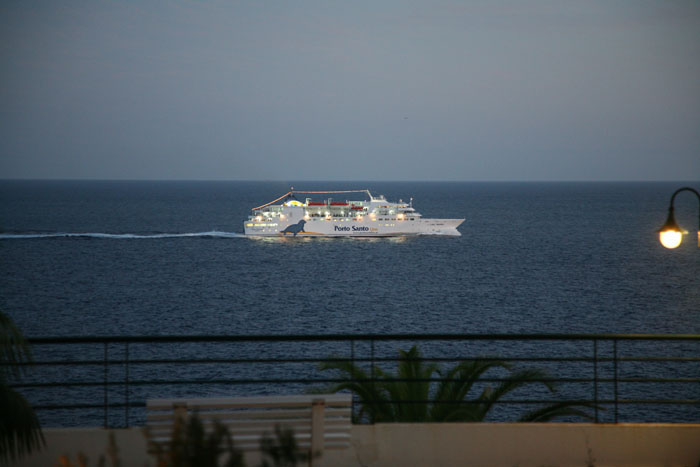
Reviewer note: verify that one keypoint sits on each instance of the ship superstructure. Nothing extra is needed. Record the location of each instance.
(298, 214)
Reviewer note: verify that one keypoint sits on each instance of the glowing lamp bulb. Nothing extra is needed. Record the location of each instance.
(671, 234)
(670, 238)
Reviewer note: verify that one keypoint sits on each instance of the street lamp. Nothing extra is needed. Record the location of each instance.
(671, 234)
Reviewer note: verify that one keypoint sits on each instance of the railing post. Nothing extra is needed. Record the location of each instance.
(371, 363)
(595, 377)
(106, 371)
(371, 359)
(615, 371)
(354, 376)
(126, 387)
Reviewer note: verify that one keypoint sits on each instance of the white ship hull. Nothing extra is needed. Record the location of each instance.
(354, 228)
(375, 217)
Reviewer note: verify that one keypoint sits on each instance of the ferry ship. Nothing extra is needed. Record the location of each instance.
(291, 216)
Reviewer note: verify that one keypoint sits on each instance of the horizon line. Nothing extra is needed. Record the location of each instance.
(204, 180)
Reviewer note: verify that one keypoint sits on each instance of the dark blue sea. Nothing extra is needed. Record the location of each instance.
(168, 258)
(135, 258)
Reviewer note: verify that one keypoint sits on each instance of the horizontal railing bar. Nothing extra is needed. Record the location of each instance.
(660, 401)
(356, 360)
(354, 337)
(581, 356)
(89, 406)
(339, 380)
(300, 360)
(654, 380)
(601, 402)
(651, 359)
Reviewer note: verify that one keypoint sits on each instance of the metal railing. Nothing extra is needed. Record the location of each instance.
(105, 381)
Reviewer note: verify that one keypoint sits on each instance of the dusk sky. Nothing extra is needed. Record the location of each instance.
(351, 90)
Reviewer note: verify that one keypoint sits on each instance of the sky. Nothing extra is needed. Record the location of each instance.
(537, 90)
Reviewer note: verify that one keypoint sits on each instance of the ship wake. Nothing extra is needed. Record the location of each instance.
(118, 236)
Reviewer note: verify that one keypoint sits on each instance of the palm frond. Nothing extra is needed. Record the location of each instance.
(412, 386)
(455, 386)
(407, 397)
(14, 349)
(20, 431)
(559, 410)
(371, 391)
(511, 383)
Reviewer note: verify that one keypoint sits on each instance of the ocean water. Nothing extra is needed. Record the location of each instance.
(152, 258)
(119, 258)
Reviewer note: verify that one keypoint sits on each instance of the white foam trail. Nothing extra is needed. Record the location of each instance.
(213, 233)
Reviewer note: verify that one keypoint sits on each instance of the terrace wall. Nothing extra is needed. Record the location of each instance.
(463, 444)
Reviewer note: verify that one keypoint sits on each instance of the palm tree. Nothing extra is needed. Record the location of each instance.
(20, 432)
(407, 396)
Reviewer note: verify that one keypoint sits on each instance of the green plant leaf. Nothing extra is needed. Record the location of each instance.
(410, 395)
(20, 431)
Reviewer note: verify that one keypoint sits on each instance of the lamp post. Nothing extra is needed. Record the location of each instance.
(671, 234)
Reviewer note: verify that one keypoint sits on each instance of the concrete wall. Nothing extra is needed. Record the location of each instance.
(459, 444)
(516, 444)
